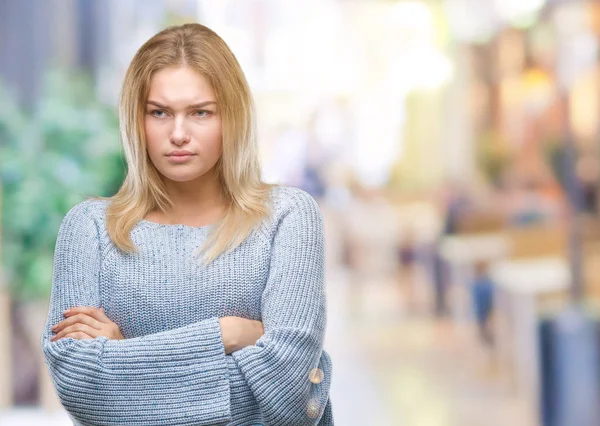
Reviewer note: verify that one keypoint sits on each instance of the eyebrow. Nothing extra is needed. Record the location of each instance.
(198, 105)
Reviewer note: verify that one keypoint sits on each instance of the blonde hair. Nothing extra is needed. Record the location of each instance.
(238, 170)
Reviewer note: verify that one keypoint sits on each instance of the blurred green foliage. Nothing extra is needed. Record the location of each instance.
(51, 158)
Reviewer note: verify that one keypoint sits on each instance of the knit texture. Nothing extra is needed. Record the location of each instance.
(171, 368)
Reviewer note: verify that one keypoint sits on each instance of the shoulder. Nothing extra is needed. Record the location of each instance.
(285, 198)
(93, 208)
(85, 214)
(288, 199)
(293, 208)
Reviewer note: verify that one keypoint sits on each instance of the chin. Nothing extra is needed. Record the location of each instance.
(182, 177)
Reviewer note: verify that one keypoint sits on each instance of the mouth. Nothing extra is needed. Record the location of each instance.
(180, 158)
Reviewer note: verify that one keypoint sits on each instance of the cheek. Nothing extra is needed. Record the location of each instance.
(212, 139)
(153, 138)
(155, 128)
(218, 141)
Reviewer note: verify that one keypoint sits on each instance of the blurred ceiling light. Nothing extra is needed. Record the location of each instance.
(537, 89)
(471, 20)
(519, 12)
(378, 136)
(410, 15)
(420, 67)
(571, 18)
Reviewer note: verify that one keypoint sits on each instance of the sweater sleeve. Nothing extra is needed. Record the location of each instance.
(175, 377)
(285, 367)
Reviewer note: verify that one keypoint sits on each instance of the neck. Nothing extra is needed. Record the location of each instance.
(201, 199)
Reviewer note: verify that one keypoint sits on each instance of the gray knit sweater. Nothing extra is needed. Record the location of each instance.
(171, 368)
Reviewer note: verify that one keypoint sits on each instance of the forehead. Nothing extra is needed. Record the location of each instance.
(180, 85)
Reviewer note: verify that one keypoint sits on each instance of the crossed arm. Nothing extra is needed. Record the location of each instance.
(183, 376)
(88, 322)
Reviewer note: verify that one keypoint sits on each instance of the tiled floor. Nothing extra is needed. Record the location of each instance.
(34, 417)
(408, 368)
(432, 373)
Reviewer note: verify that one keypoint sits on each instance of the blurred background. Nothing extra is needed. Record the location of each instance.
(453, 146)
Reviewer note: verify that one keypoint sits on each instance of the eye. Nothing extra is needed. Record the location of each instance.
(203, 113)
(157, 113)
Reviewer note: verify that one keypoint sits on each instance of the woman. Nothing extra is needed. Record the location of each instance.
(141, 330)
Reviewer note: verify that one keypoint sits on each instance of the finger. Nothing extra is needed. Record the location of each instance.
(79, 335)
(78, 318)
(103, 316)
(88, 310)
(77, 328)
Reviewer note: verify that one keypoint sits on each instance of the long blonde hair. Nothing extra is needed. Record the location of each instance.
(198, 47)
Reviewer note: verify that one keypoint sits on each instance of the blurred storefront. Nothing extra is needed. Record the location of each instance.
(436, 136)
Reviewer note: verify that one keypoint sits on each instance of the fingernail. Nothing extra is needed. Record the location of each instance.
(67, 311)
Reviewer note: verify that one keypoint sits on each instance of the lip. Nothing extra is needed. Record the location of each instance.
(180, 156)
(179, 153)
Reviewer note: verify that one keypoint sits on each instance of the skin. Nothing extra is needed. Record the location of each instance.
(86, 322)
(181, 114)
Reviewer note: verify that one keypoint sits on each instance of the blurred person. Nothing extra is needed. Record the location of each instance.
(440, 281)
(407, 259)
(530, 200)
(482, 295)
(530, 205)
(312, 181)
(317, 159)
(407, 252)
(195, 295)
(454, 204)
(587, 171)
(288, 157)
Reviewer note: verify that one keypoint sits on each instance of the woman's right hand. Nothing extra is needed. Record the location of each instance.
(239, 332)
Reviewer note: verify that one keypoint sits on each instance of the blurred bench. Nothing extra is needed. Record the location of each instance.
(535, 275)
(530, 268)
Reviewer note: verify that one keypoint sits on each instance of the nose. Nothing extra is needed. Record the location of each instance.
(179, 136)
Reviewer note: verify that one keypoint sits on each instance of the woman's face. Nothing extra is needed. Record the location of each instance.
(182, 116)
